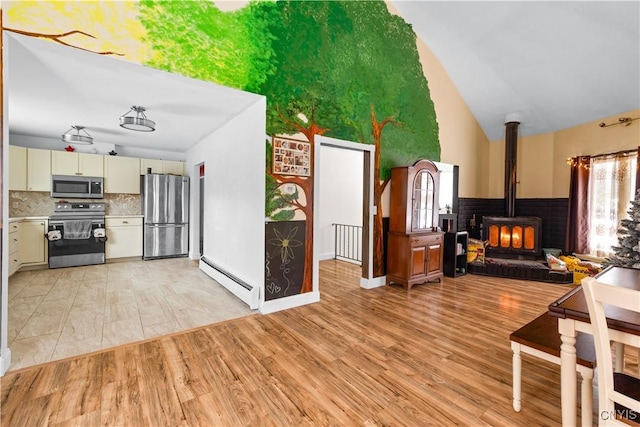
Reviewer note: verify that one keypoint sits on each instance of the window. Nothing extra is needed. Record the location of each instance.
(611, 187)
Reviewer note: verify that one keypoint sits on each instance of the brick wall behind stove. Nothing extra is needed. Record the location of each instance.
(552, 211)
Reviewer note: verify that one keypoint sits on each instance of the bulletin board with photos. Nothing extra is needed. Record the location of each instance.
(291, 157)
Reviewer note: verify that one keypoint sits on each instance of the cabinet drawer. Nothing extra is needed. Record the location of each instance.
(123, 222)
(426, 240)
(14, 243)
(13, 264)
(13, 227)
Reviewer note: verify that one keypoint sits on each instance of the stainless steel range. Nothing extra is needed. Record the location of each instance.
(76, 234)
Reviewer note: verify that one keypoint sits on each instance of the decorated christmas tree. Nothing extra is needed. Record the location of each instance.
(627, 254)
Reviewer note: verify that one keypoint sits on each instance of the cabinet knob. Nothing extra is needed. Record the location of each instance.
(15, 240)
(125, 222)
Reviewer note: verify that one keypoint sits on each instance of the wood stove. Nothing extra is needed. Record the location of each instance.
(513, 237)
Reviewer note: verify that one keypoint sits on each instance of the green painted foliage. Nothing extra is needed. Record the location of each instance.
(377, 65)
(196, 39)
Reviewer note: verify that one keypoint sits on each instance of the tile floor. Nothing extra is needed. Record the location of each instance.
(54, 314)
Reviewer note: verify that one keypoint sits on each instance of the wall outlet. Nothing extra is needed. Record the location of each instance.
(15, 205)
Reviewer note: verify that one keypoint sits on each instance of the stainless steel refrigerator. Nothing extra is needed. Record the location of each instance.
(165, 206)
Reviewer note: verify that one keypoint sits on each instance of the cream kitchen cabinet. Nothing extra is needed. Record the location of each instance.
(124, 237)
(173, 167)
(29, 169)
(162, 166)
(33, 245)
(38, 169)
(14, 246)
(65, 163)
(17, 168)
(121, 174)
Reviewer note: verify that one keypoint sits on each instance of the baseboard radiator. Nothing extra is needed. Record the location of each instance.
(240, 288)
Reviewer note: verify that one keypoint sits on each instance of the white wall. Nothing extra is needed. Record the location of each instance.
(234, 161)
(340, 195)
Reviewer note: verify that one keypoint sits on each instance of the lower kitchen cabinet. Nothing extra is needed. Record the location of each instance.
(414, 258)
(14, 246)
(124, 237)
(33, 245)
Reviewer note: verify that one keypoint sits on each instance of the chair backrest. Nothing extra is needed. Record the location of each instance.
(597, 294)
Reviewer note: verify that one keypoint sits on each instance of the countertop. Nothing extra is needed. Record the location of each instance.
(23, 218)
(40, 218)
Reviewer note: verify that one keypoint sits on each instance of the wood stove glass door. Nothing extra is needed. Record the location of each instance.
(423, 201)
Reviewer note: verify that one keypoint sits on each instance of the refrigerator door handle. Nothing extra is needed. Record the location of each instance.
(167, 225)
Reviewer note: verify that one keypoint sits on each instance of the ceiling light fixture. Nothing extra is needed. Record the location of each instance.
(139, 122)
(77, 137)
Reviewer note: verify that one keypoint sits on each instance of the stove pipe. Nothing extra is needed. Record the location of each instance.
(510, 163)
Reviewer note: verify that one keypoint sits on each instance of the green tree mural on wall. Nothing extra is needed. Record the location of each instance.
(354, 69)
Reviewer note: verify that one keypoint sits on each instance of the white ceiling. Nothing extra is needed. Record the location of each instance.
(554, 64)
(51, 87)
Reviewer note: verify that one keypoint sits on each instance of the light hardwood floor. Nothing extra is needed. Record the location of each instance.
(437, 355)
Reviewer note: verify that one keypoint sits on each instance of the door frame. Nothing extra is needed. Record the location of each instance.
(368, 209)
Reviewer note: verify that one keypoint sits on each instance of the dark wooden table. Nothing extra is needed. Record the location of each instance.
(573, 317)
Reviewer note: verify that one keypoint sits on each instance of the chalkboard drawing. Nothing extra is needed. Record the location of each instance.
(284, 259)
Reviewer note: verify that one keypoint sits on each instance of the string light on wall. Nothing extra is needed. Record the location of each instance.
(622, 121)
(575, 162)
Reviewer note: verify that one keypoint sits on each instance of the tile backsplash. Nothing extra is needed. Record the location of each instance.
(39, 203)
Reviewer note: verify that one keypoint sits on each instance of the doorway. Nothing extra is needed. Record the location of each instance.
(340, 208)
(368, 210)
(201, 211)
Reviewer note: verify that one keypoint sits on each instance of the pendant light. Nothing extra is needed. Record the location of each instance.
(138, 122)
(80, 137)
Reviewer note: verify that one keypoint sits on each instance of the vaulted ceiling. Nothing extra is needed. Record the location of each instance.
(556, 64)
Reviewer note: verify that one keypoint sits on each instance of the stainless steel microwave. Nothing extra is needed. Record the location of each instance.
(77, 187)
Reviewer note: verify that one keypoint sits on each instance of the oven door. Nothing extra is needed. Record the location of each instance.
(70, 252)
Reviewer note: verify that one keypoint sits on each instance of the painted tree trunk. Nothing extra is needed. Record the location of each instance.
(378, 248)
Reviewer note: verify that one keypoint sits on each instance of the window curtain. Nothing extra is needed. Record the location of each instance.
(612, 182)
(577, 236)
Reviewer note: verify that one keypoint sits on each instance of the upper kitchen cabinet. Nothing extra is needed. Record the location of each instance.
(121, 175)
(29, 169)
(173, 167)
(38, 169)
(162, 166)
(17, 168)
(65, 163)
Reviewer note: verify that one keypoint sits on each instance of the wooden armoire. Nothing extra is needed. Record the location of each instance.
(415, 247)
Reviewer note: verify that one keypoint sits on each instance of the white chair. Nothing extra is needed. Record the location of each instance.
(618, 393)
